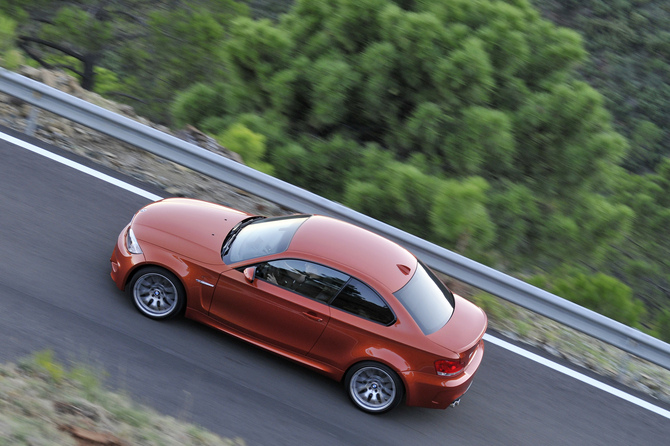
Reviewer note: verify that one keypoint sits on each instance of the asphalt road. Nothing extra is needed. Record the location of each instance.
(57, 230)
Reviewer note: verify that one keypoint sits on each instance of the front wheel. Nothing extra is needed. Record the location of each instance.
(157, 293)
(373, 387)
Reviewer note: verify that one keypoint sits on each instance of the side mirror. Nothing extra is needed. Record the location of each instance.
(250, 274)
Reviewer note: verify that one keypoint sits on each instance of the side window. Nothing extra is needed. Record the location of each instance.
(360, 299)
(309, 279)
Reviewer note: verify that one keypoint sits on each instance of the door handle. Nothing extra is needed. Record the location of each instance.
(313, 316)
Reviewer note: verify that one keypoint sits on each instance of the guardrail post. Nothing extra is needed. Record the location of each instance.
(31, 124)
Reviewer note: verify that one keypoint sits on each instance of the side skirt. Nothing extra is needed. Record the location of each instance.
(318, 366)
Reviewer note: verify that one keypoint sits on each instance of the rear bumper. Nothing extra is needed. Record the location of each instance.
(438, 392)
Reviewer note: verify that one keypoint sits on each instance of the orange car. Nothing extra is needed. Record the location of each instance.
(327, 294)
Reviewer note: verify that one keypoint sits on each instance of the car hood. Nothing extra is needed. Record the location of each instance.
(465, 328)
(191, 228)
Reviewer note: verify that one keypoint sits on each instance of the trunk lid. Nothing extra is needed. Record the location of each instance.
(464, 330)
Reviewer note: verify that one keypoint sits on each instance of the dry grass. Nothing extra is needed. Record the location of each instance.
(44, 403)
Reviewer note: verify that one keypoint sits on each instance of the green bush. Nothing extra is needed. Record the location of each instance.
(603, 294)
(10, 57)
(459, 218)
(662, 325)
(250, 145)
(199, 102)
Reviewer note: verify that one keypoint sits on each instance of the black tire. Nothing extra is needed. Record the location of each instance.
(373, 387)
(157, 293)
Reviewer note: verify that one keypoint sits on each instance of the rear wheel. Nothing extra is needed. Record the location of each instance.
(157, 293)
(374, 387)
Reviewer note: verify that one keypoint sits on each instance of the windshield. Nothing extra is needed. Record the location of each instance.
(427, 300)
(236, 230)
(260, 238)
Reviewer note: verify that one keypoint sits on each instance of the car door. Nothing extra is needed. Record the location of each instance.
(285, 305)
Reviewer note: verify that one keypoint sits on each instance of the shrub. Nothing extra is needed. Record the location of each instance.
(250, 145)
(602, 293)
(199, 102)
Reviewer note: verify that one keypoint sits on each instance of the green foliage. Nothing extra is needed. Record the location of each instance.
(199, 102)
(45, 362)
(398, 193)
(459, 217)
(288, 160)
(79, 28)
(518, 215)
(107, 81)
(466, 75)
(250, 145)
(495, 309)
(374, 105)
(88, 380)
(563, 134)
(426, 132)
(17, 9)
(642, 257)
(603, 294)
(184, 44)
(602, 222)
(255, 51)
(10, 57)
(662, 325)
(483, 143)
(332, 82)
(629, 63)
(316, 164)
(7, 34)
(154, 48)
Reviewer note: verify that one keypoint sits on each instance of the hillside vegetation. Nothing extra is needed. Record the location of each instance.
(629, 63)
(45, 403)
(474, 124)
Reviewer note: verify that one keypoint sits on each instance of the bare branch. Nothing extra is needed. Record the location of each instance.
(55, 46)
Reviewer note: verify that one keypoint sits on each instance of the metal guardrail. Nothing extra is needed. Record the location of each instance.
(280, 192)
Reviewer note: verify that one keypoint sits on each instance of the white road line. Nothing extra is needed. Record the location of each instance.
(488, 338)
(80, 167)
(578, 376)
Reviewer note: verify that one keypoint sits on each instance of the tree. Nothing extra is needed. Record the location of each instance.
(74, 36)
(453, 83)
(629, 63)
(459, 217)
(398, 193)
(154, 49)
(641, 258)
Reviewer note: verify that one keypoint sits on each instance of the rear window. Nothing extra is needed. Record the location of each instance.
(427, 300)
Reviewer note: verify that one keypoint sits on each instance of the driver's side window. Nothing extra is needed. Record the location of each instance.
(309, 279)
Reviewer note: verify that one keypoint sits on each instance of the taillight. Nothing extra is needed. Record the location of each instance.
(448, 367)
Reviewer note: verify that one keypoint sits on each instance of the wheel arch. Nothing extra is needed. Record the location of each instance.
(145, 265)
(379, 360)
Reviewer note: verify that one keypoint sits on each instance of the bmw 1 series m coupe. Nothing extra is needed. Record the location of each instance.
(332, 296)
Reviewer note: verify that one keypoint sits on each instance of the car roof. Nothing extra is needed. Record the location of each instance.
(354, 250)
